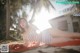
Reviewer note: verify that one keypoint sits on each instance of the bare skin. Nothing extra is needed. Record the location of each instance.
(59, 33)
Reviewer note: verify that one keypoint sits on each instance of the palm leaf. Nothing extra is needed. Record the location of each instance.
(36, 5)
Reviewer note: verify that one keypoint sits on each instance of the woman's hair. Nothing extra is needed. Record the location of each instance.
(20, 28)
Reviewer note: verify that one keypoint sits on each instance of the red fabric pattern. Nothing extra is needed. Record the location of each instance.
(69, 43)
(20, 47)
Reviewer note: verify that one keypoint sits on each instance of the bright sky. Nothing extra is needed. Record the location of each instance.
(43, 16)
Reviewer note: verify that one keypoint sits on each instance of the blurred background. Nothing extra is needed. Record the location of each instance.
(55, 13)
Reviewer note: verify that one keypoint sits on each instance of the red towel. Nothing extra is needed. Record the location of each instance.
(20, 47)
(68, 43)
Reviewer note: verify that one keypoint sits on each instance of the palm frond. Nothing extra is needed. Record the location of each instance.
(36, 5)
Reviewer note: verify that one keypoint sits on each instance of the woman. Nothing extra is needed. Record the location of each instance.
(52, 37)
(48, 36)
(29, 34)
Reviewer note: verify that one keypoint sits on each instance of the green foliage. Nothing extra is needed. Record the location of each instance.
(73, 0)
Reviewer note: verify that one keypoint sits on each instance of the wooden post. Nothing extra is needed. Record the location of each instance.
(7, 18)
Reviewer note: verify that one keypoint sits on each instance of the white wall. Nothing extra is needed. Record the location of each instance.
(68, 26)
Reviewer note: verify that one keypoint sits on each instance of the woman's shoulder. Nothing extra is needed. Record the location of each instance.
(32, 27)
